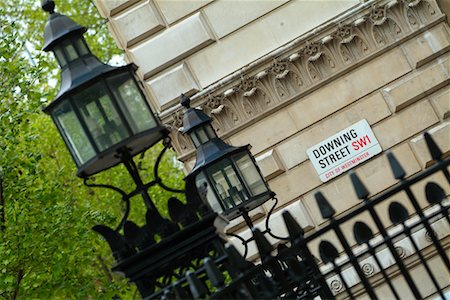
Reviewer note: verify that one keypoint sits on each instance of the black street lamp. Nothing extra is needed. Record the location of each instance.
(103, 116)
(100, 110)
(234, 184)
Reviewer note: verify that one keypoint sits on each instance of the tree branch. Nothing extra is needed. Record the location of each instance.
(104, 267)
(19, 278)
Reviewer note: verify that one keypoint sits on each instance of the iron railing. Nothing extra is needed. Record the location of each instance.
(378, 265)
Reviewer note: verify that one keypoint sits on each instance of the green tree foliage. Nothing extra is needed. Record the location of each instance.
(47, 247)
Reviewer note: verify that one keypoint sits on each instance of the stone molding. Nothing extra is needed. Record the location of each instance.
(305, 66)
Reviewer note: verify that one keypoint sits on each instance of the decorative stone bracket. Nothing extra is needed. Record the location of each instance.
(305, 66)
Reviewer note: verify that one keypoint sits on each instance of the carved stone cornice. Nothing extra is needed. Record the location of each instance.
(305, 65)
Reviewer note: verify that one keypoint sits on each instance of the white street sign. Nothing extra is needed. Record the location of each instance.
(344, 150)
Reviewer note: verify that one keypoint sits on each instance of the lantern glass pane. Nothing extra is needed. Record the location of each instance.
(132, 103)
(210, 132)
(201, 134)
(194, 139)
(73, 133)
(70, 52)
(251, 175)
(213, 202)
(60, 57)
(227, 184)
(81, 47)
(100, 116)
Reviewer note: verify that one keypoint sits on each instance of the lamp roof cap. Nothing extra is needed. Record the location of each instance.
(58, 26)
(193, 117)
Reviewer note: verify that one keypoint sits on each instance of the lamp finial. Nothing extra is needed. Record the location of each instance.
(48, 6)
(185, 101)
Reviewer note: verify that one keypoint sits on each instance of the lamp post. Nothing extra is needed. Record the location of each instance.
(104, 119)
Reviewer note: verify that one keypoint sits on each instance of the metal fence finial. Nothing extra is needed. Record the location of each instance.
(398, 213)
(119, 248)
(198, 289)
(326, 210)
(136, 236)
(214, 274)
(434, 193)
(264, 247)
(435, 152)
(363, 234)
(360, 189)
(237, 262)
(397, 169)
(180, 292)
(328, 253)
(294, 229)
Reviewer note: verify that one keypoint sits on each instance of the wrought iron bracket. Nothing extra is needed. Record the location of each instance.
(141, 187)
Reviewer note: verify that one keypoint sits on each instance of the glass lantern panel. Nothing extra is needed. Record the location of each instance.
(251, 175)
(227, 184)
(70, 52)
(73, 133)
(81, 47)
(201, 134)
(60, 57)
(100, 116)
(200, 182)
(237, 191)
(194, 139)
(210, 132)
(133, 105)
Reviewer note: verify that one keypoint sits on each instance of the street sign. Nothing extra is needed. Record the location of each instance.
(344, 150)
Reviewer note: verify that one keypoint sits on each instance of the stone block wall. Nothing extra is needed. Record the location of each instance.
(185, 46)
(285, 75)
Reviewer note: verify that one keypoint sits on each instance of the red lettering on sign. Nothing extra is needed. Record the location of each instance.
(361, 142)
(350, 163)
(329, 174)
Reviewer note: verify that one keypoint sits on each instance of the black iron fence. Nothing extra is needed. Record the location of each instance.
(379, 265)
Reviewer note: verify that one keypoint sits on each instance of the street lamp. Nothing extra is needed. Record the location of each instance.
(103, 116)
(233, 182)
(104, 119)
(100, 110)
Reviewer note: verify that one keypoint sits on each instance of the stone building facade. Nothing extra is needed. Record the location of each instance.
(285, 75)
